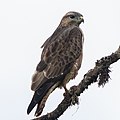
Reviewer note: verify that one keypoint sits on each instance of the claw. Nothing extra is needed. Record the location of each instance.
(75, 99)
(73, 92)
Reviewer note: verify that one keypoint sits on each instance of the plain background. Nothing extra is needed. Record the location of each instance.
(26, 24)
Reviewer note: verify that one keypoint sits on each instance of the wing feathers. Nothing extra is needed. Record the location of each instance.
(37, 80)
(41, 66)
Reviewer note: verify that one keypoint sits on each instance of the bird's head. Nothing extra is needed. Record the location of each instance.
(72, 18)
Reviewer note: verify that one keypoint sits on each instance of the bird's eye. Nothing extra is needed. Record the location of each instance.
(72, 16)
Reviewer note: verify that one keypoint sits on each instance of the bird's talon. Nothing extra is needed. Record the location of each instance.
(73, 92)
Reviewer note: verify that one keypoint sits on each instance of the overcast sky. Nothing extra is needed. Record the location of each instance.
(26, 24)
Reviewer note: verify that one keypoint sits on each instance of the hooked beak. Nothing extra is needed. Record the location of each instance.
(81, 19)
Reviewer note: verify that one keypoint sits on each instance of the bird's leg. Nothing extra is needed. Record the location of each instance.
(65, 88)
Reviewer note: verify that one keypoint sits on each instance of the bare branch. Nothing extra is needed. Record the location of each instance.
(100, 74)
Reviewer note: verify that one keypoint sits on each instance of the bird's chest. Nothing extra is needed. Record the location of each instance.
(74, 71)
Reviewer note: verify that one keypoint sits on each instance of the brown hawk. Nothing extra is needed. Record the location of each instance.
(60, 60)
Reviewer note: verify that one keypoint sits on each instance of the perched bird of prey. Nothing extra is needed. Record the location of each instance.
(60, 60)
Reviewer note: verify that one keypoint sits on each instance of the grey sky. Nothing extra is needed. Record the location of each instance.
(26, 24)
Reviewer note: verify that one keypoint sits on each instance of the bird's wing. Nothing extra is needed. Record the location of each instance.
(59, 54)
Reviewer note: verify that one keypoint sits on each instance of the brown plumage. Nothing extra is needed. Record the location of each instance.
(60, 60)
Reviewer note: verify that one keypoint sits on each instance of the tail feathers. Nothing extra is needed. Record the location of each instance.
(41, 104)
(40, 94)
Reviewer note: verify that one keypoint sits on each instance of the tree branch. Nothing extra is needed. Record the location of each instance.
(100, 74)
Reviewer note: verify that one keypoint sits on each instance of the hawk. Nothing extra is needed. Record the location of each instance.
(61, 59)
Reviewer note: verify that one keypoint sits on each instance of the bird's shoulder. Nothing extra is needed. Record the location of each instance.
(61, 32)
